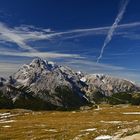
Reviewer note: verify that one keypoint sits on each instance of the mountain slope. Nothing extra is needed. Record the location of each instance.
(46, 85)
(54, 84)
(100, 85)
(108, 84)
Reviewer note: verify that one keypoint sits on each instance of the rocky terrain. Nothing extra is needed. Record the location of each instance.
(100, 86)
(108, 85)
(46, 85)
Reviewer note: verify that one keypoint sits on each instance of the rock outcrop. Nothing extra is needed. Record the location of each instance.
(46, 85)
(56, 86)
(100, 85)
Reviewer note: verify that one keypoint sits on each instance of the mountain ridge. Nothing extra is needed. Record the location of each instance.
(55, 86)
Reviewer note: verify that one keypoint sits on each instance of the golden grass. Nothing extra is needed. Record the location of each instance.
(68, 125)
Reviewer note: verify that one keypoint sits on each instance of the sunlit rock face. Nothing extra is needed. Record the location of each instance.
(46, 85)
(57, 86)
(108, 85)
(101, 86)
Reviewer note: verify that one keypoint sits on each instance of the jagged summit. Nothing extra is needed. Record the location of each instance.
(40, 63)
(42, 74)
(109, 85)
(45, 78)
(38, 69)
(45, 84)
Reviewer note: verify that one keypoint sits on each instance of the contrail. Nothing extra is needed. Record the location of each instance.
(113, 27)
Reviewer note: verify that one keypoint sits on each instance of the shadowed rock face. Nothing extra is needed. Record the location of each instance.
(46, 85)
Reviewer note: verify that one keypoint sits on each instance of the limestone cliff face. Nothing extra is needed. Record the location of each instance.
(100, 85)
(57, 86)
(42, 75)
(46, 85)
(108, 85)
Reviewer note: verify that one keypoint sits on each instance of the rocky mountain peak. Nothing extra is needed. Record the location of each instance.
(46, 75)
(48, 85)
(44, 64)
(109, 85)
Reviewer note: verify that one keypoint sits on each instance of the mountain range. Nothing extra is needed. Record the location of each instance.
(46, 85)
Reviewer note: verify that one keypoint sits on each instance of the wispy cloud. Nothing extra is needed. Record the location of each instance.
(6, 69)
(39, 54)
(132, 36)
(113, 28)
(23, 34)
(93, 67)
(10, 35)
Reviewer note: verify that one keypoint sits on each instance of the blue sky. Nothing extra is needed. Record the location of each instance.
(72, 32)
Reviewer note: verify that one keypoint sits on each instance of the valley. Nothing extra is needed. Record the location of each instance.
(107, 121)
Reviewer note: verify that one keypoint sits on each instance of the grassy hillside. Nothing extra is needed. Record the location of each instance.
(57, 125)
